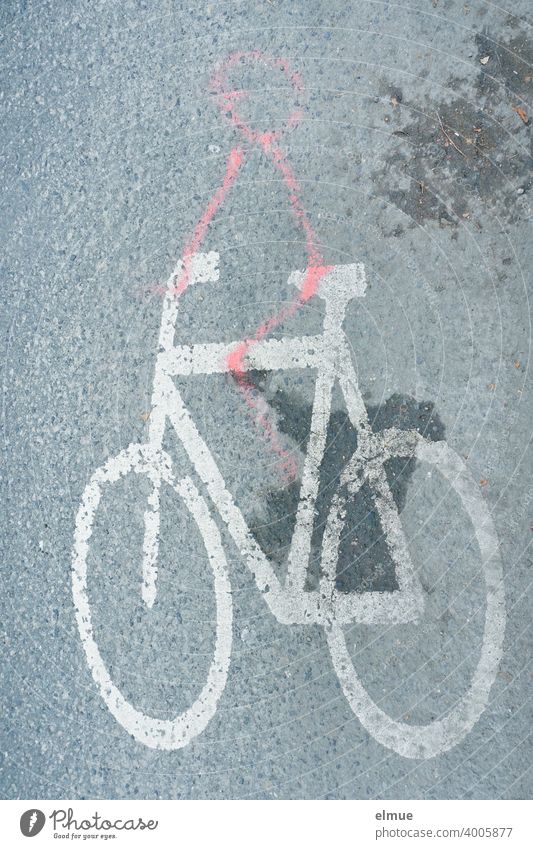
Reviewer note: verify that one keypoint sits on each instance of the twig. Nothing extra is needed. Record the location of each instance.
(450, 140)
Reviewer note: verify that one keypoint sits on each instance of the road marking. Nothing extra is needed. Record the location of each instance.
(289, 603)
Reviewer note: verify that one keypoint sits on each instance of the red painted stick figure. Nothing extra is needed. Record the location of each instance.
(269, 141)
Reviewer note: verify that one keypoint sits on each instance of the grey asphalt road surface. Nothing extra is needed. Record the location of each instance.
(413, 156)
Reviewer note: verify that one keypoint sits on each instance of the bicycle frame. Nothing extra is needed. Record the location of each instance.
(329, 354)
(289, 602)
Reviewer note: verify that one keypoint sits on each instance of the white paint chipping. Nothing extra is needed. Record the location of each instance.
(156, 733)
(426, 741)
(329, 354)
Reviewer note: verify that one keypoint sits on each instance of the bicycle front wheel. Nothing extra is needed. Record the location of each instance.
(154, 732)
(434, 738)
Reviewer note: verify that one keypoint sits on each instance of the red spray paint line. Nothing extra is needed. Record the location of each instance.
(234, 162)
(228, 101)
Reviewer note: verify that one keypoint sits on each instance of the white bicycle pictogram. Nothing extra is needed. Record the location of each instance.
(289, 601)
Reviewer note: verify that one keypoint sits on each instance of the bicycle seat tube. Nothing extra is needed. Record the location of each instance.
(337, 288)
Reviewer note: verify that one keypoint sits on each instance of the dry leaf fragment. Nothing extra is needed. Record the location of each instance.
(491, 386)
(484, 60)
(522, 114)
(145, 416)
(483, 482)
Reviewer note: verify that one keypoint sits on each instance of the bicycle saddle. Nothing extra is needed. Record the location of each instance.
(342, 283)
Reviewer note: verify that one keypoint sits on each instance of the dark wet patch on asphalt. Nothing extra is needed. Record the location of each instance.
(364, 563)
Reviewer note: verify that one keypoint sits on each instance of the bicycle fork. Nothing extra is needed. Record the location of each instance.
(202, 268)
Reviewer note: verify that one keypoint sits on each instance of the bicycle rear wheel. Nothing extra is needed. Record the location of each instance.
(154, 732)
(426, 741)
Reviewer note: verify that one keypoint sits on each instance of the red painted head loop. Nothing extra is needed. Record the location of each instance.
(229, 99)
